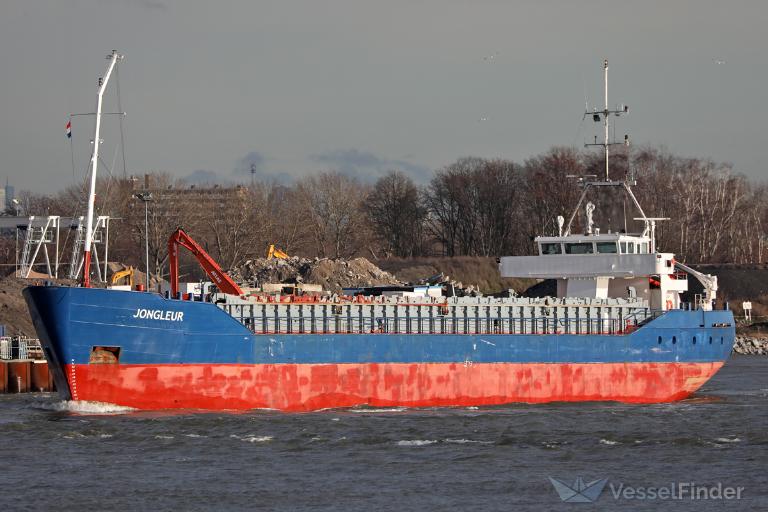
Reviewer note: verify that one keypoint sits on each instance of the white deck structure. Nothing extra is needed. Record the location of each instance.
(603, 266)
(609, 265)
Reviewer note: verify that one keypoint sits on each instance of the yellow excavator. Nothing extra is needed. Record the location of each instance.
(273, 252)
(121, 274)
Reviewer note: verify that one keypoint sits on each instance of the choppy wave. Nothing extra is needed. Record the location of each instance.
(253, 439)
(391, 409)
(86, 434)
(550, 445)
(416, 442)
(85, 407)
(608, 442)
(257, 439)
(74, 435)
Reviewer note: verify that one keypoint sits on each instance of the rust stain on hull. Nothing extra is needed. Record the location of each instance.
(306, 387)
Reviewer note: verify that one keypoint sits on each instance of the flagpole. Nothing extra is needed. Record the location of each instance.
(71, 148)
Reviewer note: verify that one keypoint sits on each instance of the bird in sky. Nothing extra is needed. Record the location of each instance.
(718, 61)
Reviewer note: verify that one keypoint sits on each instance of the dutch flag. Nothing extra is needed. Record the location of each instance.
(69, 129)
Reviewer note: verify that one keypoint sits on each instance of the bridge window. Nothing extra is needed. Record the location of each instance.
(644, 250)
(606, 247)
(551, 249)
(582, 248)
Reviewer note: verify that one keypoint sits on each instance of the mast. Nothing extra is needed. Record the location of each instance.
(113, 58)
(627, 183)
(605, 116)
(605, 113)
(597, 116)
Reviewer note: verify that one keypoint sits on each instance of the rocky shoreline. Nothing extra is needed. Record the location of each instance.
(747, 345)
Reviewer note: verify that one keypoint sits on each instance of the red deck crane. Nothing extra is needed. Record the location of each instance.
(214, 271)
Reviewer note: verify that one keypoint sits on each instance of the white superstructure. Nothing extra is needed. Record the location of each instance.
(601, 266)
(609, 265)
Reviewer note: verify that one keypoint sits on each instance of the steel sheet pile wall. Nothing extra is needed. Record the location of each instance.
(22, 367)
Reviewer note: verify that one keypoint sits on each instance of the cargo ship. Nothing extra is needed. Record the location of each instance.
(617, 329)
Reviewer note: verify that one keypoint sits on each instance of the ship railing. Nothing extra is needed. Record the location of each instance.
(640, 317)
(442, 325)
(20, 347)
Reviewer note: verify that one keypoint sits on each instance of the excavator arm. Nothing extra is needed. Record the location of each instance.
(127, 272)
(274, 252)
(214, 271)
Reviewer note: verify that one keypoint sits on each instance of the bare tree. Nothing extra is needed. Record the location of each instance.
(396, 214)
(289, 215)
(234, 230)
(547, 192)
(447, 201)
(473, 206)
(334, 208)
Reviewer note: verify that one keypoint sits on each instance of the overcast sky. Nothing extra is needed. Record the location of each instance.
(300, 86)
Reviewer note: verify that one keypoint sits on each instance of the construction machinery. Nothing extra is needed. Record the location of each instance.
(126, 273)
(274, 252)
(214, 271)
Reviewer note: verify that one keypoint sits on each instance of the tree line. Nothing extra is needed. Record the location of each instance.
(472, 207)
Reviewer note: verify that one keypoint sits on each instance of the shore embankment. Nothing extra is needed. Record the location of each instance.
(749, 345)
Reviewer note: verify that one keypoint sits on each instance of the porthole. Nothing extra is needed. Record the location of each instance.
(674, 339)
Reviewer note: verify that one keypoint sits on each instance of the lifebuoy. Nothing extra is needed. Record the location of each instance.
(669, 304)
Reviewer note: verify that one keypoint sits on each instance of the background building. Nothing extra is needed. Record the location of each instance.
(6, 196)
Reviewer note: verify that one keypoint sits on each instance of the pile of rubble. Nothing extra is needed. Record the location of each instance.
(332, 274)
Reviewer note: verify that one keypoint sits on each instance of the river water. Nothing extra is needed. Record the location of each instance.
(59, 456)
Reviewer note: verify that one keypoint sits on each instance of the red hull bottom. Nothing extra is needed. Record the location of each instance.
(309, 387)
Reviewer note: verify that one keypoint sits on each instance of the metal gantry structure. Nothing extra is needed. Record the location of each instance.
(99, 237)
(40, 237)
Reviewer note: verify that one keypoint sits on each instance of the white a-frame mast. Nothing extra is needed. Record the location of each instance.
(113, 58)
